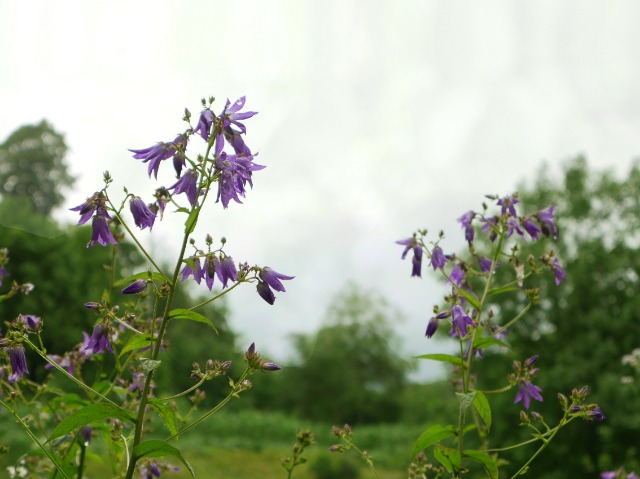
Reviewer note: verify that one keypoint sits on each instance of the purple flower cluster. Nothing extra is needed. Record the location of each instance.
(159, 152)
(619, 474)
(96, 206)
(225, 269)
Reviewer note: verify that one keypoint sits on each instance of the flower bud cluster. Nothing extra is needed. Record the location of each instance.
(256, 363)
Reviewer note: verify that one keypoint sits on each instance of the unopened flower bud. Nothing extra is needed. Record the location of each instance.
(31, 322)
(536, 416)
(267, 366)
(137, 287)
(92, 305)
(531, 360)
(524, 418)
(336, 448)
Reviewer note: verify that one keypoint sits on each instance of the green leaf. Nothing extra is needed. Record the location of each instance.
(449, 458)
(89, 414)
(485, 342)
(69, 400)
(167, 414)
(465, 400)
(489, 463)
(482, 406)
(191, 222)
(469, 297)
(144, 275)
(138, 341)
(504, 289)
(431, 436)
(149, 365)
(446, 358)
(192, 316)
(156, 448)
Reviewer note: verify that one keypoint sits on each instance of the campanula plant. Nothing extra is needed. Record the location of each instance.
(127, 328)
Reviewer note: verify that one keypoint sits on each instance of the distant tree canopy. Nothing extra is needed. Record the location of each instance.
(584, 326)
(32, 166)
(351, 369)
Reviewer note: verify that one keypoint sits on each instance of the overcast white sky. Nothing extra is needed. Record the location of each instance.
(376, 118)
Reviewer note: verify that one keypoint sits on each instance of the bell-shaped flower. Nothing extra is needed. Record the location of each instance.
(143, 217)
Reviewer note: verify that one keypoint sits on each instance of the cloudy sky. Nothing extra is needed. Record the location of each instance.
(376, 118)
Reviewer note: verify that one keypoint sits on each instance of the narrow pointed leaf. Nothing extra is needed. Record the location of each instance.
(192, 316)
(489, 463)
(191, 222)
(431, 436)
(482, 343)
(469, 297)
(138, 341)
(446, 358)
(504, 289)
(144, 275)
(156, 448)
(482, 406)
(167, 414)
(89, 414)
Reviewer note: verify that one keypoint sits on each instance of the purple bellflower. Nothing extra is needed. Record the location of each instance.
(558, 270)
(269, 278)
(531, 228)
(31, 322)
(196, 271)
(438, 258)
(416, 263)
(188, 184)
(99, 340)
(460, 321)
(227, 271)
(434, 322)
(231, 114)
(465, 221)
(485, 264)
(159, 152)
(490, 224)
(527, 391)
(211, 269)
(18, 360)
(95, 204)
(3, 273)
(100, 232)
(143, 217)
(204, 124)
(234, 172)
(457, 275)
(62, 361)
(546, 222)
(508, 205)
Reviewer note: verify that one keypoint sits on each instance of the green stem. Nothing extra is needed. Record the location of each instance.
(81, 461)
(35, 439)
(517, 318)
(66, 373)
(183, 393)
(215, 409)
(215, 297)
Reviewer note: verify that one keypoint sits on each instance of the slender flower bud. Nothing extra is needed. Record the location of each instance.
(32, 323)
(267, 366)
(137, 287)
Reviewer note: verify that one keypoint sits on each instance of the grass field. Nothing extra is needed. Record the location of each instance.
(249, 444)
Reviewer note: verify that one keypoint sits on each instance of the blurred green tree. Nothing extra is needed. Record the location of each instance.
(584, 326)
(32, 166)
(351, 370)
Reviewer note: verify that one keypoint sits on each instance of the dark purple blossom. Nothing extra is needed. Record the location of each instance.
(416, 263)
(86, 434)
(490, 224)
(100, 232)
(18, 360)
(558, 271)
(231, 114)
(513, 225)
(526, 392)
(143, 217)
(31, 322)
(438, 258)
(95, 204)
(234, 172)
(485, 264)
(270, 278)
(137, 287)
(3, 273)
(227, 271)
(465, 221)
(160, 152)
(204, 124)
(62, 361)
(196, 270)
(267, 366)
(597, 414)
(531, 228)
(211, 268)
(188, 184)
(507, 204)
(457, 275)
(99, 340)
(434, 322)
(546, 222)
(460, 321)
